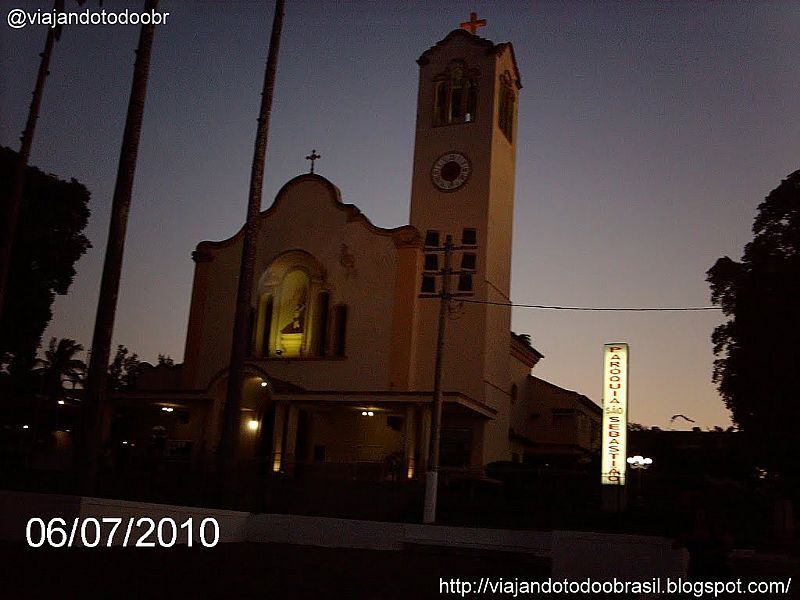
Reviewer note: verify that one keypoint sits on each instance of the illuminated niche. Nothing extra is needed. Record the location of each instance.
(293, 305)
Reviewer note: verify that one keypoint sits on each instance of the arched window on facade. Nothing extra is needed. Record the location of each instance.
(339, 329)
(455, 96)
(323, 302)
(292, 312)
(263, 346)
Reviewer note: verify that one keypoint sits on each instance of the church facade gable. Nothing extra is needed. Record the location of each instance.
(326, 279)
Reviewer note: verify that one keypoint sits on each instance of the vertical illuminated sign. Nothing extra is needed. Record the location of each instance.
(615, 413)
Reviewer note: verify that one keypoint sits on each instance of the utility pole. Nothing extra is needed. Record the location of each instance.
(432, 476)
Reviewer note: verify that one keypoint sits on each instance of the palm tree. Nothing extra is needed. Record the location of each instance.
(97, 379)
(231, 413)
(59, 365)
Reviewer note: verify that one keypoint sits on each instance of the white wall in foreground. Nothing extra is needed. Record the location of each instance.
(575, 555)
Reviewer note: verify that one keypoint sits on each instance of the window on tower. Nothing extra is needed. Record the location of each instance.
(431, 262)
(505, 113)
(468, 261)
(472, 100)
(432, 238)
(457, 93)
(455, 96)
(469, 237)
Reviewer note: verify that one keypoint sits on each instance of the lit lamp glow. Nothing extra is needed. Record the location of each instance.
(263, 384)
(639, 462)
(252, 424)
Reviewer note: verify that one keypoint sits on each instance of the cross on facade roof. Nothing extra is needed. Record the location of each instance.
(312, 157)
(473, 23)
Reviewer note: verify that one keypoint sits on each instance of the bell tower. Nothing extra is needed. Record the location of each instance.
(463, 186)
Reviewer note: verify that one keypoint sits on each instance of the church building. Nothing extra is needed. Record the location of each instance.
(344, 314)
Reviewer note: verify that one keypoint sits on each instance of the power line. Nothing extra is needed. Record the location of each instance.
(596, 308)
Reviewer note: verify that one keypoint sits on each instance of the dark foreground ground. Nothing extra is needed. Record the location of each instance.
(247, 571)
(264, 571)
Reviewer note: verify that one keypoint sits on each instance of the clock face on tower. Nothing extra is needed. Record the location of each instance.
(450, 171)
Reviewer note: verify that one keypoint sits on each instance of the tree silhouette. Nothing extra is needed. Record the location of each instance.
(756, 371)
(59, 365)
(123, 370)
(12, 206)
(48, 243)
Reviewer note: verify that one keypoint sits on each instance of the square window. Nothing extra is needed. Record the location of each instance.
(432, 238)
(431, 262)
(469, 237)
(465, 283)
(428, 284)
(468, 262)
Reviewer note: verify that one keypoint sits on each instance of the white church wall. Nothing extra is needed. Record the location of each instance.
(463, 352)
(359, 263)
(359, 266)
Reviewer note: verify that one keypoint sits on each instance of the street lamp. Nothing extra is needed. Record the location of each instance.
(639, 463)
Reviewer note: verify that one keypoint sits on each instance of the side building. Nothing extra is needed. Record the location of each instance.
(556, 427)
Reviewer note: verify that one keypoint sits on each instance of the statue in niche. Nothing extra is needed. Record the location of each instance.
(296, 324)
(294, 303)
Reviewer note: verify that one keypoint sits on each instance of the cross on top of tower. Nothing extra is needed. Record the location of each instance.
(473, 23)
(312, 157)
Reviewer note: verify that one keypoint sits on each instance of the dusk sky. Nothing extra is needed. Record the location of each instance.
(648, 134)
